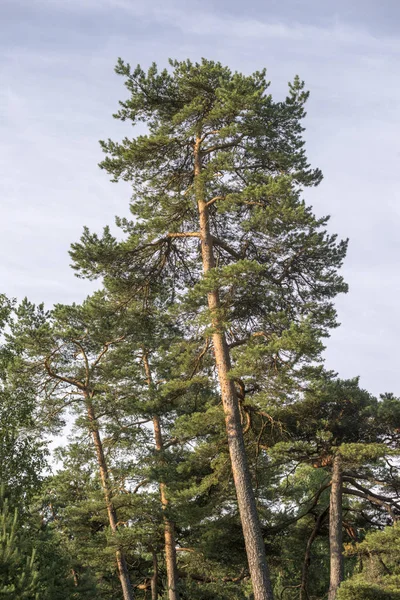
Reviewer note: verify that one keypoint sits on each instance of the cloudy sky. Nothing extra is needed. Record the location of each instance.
(58, 92)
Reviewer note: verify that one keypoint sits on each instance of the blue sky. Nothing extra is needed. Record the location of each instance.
(58, 92)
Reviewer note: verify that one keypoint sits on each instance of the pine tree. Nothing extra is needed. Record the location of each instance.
(94, 360)
(379, 559)
(217, 208)
(67, 361)
(350, 436)
(18, 572)
(28, 568)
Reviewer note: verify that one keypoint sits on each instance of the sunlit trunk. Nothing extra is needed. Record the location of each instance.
(335, 529)
(169, 526)
(123, 572)
(255, 547)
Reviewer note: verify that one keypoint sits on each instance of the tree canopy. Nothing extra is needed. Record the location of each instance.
(211, 455)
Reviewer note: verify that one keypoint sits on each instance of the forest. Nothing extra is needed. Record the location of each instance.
(209, 453)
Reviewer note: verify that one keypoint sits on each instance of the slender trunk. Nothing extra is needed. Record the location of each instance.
(75, 576)
(255, 547)
(307, 555)
(335, 529)
(123, 573)
(154, 591)
(169, 526)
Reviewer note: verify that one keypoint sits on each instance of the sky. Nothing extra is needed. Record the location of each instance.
(58, 91)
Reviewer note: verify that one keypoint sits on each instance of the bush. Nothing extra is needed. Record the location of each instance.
(360, 590)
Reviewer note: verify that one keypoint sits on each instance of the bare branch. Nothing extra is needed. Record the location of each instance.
(184, 234)
(237, 343)
(215, 199)
(369, 492)
(85, 358)
(307, 555)
(316, 497)
(139, 485)
(227, 248)
(55, 375)
(225, 146)
(105, 349)
(372, 499)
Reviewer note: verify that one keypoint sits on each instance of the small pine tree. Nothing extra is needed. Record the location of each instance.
(18, 571)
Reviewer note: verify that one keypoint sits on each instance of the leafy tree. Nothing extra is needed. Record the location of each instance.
(22, 452)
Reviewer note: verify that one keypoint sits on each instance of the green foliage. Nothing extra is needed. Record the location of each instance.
(379, 556)
(359, 453)
(277, 275)
(18, 568)
(277, 266)
(359, 590)
(22, 453)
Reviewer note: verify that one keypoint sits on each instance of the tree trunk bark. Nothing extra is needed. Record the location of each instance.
(254, 542)
(307, 555)
(335, 529)
(154, 590)
(123, 572)
(169, 526)
(75, 577)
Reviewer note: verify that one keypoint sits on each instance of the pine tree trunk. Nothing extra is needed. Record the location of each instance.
(123, 573)
(154, 590)
(169, 526)
(255, 547)
(335, 529)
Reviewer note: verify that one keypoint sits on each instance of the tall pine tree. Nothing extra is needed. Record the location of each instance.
(217, 208)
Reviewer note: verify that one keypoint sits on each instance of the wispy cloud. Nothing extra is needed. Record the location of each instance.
(58, 93)
(195, 19)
